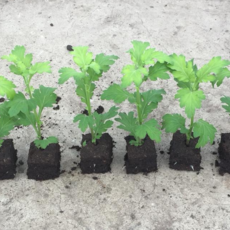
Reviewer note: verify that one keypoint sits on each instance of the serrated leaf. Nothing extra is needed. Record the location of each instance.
(161, 57)
(132, 74)
(95, 66)
(127, 122)
(173, 122)
(6, 88)
(149, 128)
(20, 104)
(82, 89)
(15, 69)
(16, 54)
(158, 71)
(183, 71)
(226, 100)
(105, 61)
(110, 114)
(116, 93)
(191, 100)
(137, 51)
(45, 142)
(147, 58)
(213, 66)
(26, 119)
(81, 56)
(40, 67)
(6, 125)
(66, 73)
(27, 60)
(220, 76)
(205, 132)
(150, 100)
(44, 97)
(84, 121)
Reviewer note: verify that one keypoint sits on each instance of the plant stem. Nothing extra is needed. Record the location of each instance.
(37, 117)
(88, 104)
(138, 104)
(190, 131)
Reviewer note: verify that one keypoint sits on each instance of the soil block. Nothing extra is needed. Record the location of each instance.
(96, 158)
(182, 156)
(140, 158)
(224, 153)
(44, 164)
(8, 158)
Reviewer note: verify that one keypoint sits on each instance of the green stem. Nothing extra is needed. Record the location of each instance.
(138, 105)
(88, 104)
(37, 116)
(190, 131)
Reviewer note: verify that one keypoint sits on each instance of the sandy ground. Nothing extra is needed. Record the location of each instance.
(166, 200)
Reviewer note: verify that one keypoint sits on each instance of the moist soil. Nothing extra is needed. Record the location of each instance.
(182, 156)
(44, 164)
(96, 158)
(8, 159)
(224, 153)
(140, 158)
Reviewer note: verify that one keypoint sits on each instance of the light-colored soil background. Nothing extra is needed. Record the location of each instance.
(166, 200)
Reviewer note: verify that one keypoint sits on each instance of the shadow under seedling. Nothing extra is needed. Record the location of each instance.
(44, 154)
(96, 152)
(186, 142)
(141, 154)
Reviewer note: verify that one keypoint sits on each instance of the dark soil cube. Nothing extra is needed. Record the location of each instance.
(224, 153)
(44, 164)
(183, 157)
(140, 158)
(8, 158)
(96, 158)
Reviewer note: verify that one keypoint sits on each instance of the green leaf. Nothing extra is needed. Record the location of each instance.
(220, 76)
(45, 142)
(16, 54)
(40, 67)
(84, 121)
(183, 71)
(158, 71)
(173, 122)
(1, 142)
(150, 128)
(213, 66)
(226, 100)
(205, 132)
(20, 104)
(83, 88)
(128, 122)
(105, 61)
(110, 114)
(66, 73)
(16, 70)
(116, 93)
(150, 100)
(161, 57)
(6, 88)
(95, 66)
(44, 97)
(26, 119)
(132, 74)
(81, 56)
(27, 60)
(137, 51)
(191, 100)
(6, 125)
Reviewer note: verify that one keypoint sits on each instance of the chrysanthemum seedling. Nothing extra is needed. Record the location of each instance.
(29, 110)
(91, 69)
(7, 123)
(147, 64)
(189, 78)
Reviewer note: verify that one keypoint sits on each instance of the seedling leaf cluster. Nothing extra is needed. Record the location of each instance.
(91, 69)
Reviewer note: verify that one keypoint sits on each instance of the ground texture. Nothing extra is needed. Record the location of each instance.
(165, 200)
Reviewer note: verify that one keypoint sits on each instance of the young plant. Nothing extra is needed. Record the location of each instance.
(147, 64)
(7, 123)
(190, 95)
(29, 110)
(91, 69)
(226, 100)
